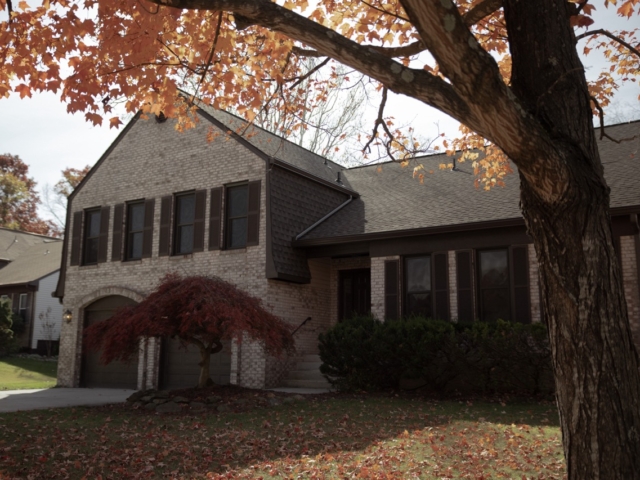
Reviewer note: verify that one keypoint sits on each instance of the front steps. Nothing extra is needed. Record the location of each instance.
(306, 374)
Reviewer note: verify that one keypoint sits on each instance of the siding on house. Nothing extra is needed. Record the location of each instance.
(43, 302)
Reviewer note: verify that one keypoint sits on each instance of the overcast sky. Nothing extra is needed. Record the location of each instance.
(49, 139)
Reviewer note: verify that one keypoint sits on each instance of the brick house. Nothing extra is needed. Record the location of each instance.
(309, 237)
(29, 271)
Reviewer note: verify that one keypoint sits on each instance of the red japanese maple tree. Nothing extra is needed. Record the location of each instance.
(201, 311)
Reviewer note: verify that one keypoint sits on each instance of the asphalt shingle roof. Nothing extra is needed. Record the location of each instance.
(33, 263)
(392, 200)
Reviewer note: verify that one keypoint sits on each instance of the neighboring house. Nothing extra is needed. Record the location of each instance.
(29, 271)
(310, 238)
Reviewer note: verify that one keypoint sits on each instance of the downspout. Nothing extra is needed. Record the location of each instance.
(332, 212)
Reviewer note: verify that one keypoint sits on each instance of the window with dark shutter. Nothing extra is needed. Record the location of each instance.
(76, 239)
(418, 298)
(391, 293)
(494, 285)
(464, 284)
(253, 214)
(184, 227)
(116, 238)
(236, 217)
(135, 230)
(198, 221)
(166, 206)
(441, 285)
(520, 280)
(103, 244)
(91, 236)
(147, 237)
(215, 218)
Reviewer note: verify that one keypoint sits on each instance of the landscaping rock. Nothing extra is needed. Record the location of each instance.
(214, 399)
(162, 394)
(223, 408)
(298, 397)
(137, 396)
(180, 400)
(197, 406)
(288, 400)
(150, 406)
(169, 407)
(160, 401)
(146, 398)
(274, 402)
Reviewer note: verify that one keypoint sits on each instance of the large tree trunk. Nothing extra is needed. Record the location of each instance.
(594, 358)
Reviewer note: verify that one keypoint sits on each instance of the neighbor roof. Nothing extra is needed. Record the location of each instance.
(34, 263)
(14, 242)
(391, 200)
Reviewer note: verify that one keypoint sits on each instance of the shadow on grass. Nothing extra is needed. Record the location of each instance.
(332, 429)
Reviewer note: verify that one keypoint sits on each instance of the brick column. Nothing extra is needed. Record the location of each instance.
(453, 286)
(377, 285)
(630, 282)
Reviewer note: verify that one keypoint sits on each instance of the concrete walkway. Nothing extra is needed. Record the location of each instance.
(17, 400)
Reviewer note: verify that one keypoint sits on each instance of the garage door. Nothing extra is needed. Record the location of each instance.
(180, 367)
(117, 374)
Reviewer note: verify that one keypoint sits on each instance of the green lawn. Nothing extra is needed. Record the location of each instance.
(23, 373)
(335, 436)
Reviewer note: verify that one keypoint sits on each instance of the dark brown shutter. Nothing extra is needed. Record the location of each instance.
(441, 285)
(198, 221)
(520, 284)
(391, 289)
(166, 205)
(76, 238)
(215, 218)
(116, 242)
(253, 214)
(464, 281)
(103, 243)
(147, 235)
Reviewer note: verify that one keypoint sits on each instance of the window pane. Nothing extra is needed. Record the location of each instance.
(237, 233)
(135, 245)
(91, 252)
(419, 304)
(93, 224)
(185, 239)
(494, 270)
(23, 300)
(418, 274)
(496, 304)
(136, 217)
(186, 209)
(238, 201)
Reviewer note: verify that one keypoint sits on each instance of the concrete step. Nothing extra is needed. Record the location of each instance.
(306, 384)
(307, 366)
(308, 358)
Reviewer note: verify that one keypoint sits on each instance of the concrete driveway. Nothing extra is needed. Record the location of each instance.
(17, 400)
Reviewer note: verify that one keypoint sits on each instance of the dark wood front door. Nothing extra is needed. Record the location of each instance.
(354, 293)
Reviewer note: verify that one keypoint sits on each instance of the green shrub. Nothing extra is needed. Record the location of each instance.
(478, 357)
(6, 322)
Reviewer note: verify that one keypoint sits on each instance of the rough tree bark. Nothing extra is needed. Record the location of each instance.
(204, 380)
(595, 362)
(543, 123)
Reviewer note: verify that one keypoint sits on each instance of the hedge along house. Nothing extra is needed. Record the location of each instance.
(310, 238)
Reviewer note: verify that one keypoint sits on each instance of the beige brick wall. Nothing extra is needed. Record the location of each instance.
(377, 286)
(151, 161)
(453, 286)
(630, 281)
(534, 285)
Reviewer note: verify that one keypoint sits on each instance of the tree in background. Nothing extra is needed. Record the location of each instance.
(6, 322)
(508, 70)
(200, 311)
(19, 200)
(55, 199)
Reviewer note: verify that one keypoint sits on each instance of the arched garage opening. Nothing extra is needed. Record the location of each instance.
(94, 374)
(180, 369)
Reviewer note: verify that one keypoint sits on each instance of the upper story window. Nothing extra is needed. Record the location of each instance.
(91, 237)
(417, 287)
(494, 289)
(236, 216)
(135, 230)
(184, 224)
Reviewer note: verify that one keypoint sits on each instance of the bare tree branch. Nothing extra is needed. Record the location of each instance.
(310, 72)
(604, 134)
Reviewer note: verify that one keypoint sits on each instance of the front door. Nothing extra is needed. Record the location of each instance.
(354, 293)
